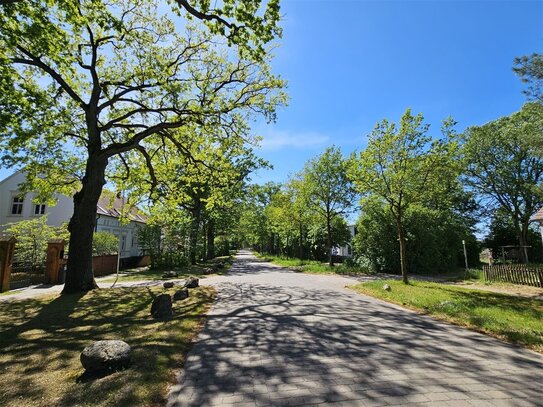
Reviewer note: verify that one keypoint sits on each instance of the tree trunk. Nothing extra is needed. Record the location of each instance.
(301, 250)
(193, 234)
(403, 259)
(522, 236)
(210, 239)
(79, 276)
(329, 241)
(523, 240)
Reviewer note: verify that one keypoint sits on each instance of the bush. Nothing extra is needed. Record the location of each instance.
(32, 237)
(434, 240)
(104, 243)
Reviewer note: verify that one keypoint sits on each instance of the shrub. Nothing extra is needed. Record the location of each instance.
(32, 237)
(104, 243)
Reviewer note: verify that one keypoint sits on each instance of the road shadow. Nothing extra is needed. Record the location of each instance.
(280, 345)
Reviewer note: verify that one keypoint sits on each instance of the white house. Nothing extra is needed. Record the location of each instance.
(15, 207)
(347, 250)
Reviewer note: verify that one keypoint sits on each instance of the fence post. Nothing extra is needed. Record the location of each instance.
(55, 253)
(7, 247)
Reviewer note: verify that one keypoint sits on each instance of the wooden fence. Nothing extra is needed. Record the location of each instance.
(515, 273)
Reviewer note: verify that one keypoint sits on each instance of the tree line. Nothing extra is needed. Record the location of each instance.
(419, 194)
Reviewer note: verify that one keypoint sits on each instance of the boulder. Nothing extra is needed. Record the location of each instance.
(106, 355)
(169, 274)
(192, 282)
(168, 284)
(162, 306)
(181, 294)
(208, 270)
(386, 287)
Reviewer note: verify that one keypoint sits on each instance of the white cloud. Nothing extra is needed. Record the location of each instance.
(277, 139)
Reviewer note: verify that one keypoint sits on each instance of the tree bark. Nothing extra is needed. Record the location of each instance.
(79, 276)
(403, 258)
(523, 240)
(193, 234)
(210, 239)
(329, 241)
(301, 242)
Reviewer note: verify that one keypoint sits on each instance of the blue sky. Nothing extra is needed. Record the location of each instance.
(350, 64)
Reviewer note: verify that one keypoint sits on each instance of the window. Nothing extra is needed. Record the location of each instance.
(17, 205)
(123, 242)
(39, 209)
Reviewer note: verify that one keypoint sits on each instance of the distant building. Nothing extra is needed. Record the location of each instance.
(347, 250)
(14, 207)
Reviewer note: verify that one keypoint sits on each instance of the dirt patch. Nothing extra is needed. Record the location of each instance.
(503, 288)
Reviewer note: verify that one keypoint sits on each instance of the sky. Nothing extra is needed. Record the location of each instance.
(350, 64)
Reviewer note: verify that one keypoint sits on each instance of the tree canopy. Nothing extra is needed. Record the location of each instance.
(85, 83)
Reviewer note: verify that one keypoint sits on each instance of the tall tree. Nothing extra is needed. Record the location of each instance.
(505, 168)
(329, 190)
(530, 70)
(84, 82)
(403, 166)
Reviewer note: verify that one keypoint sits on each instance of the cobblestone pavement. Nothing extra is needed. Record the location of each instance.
(279, 338)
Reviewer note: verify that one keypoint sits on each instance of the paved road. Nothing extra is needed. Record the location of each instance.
(279, 338)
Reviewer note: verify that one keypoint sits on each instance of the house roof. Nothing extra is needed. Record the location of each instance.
(111, 205)
(538, 216)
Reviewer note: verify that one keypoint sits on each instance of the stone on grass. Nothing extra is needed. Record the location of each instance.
(162, 306)
(181, 294)
(386, 287)
(106, 355)
(169, 274)
(168, 284)
(208, 270)
(192, 282)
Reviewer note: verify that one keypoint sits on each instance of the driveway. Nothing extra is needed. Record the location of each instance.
(279, 338)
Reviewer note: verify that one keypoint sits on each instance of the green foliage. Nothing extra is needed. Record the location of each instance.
(166, 244)
(530, 70)
(505, 167)
(32, 237)
(433, 243)
(317, 236)
(87, 84)
(329, 190)
(403, 167)
(502, 233)
(104, 243)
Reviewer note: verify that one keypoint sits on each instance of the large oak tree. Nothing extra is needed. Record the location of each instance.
(84, 83)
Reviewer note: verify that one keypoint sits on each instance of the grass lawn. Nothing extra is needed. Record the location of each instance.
(310, 266)
(41, 340)
(146, 274)
(515, 319)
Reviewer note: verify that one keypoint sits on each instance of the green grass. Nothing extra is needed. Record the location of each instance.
(310, 266)
(41, 340)
(147, 274)
(512, 318)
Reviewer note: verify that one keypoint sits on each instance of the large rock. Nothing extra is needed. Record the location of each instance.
(208, 270)
(386, 287)
(169, 274)
(162, 306)
(192, 282)
(168, 284)
(106, 355)
(181, 294)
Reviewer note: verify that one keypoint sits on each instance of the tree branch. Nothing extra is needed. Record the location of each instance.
(37, 62)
